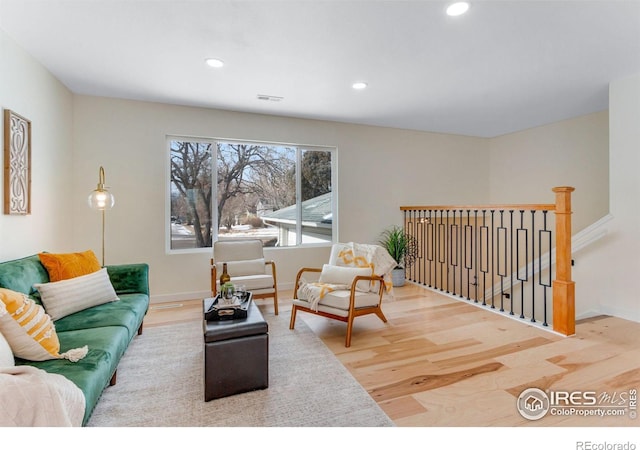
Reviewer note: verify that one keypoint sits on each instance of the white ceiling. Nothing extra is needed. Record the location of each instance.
(502, 67)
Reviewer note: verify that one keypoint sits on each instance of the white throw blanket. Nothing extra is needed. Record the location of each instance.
(352, 254)
(31, 397)
(368, 255)
(315, 291)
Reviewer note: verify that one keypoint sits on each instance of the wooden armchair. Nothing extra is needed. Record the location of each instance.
(363, 295)
(245, 265)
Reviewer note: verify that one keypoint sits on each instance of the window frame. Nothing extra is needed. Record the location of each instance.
(299, 149)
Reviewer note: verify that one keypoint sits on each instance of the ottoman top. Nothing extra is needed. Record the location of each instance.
(222, 330)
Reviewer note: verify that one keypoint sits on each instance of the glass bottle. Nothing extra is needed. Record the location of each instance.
(224, 278)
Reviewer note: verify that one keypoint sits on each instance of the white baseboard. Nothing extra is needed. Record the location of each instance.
(632, 315)
(179, 297)
(605, 310)
(194, 295)
(588, 314)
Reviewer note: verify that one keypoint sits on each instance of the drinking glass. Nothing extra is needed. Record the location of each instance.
(241, 290)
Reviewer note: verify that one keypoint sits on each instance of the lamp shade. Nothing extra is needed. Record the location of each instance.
(101, 199)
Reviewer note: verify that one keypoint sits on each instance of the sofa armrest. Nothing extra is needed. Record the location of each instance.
(129, 278)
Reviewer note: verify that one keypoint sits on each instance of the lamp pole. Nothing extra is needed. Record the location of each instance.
(101, 199)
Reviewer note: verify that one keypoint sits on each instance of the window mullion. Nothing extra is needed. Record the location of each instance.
(214, 191)
(298, 196)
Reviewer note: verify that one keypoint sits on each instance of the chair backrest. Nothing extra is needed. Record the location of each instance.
(359, 255)
(243, 258)
(242, 250)
(335, 251)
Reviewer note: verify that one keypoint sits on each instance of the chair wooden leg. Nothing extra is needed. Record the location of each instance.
(380, 314)
(113, 380)
(292, 323)
(275, 303)
(140, 329)
(349, 330)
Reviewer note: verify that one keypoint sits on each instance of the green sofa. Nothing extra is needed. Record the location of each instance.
(106, 329)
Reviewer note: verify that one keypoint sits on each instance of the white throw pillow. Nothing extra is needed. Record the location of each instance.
(65, 297)
(345, 275)
(6, 355)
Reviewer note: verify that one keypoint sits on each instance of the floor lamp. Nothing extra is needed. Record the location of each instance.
(101, 199)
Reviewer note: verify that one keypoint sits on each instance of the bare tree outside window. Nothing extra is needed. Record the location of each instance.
(191, 194)
(255, 189)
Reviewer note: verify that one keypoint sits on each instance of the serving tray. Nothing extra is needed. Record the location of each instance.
(217, 309)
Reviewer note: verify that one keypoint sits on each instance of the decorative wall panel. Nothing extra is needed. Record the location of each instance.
(17, 164)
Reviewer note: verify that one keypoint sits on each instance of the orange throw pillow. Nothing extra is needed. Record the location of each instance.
(64, 266)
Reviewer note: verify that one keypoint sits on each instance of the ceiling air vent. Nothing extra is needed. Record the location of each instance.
(269, 98)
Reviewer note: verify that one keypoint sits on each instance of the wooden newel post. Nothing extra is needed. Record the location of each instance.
(564, 308)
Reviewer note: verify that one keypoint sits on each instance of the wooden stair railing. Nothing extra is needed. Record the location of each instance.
(564, 289)
(474, 245)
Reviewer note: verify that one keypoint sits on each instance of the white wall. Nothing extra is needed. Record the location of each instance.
(526, 165)
(31, 91)
(606, 274)
(379, 169)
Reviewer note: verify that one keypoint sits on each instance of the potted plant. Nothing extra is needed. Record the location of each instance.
(402, 247)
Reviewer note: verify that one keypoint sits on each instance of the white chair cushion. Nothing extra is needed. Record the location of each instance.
(253, 282)
(340, 300)
(322, 308)
(345, 275)
(243, 268)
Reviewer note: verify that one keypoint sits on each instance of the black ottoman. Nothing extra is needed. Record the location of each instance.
(236, 355)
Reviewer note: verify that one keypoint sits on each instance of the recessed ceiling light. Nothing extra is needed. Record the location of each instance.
(214, 62)
(458, 8)
(359, 85)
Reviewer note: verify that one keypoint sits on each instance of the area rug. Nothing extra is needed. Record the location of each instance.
(160, 384)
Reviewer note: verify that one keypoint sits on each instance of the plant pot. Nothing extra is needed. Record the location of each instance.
(397, 277)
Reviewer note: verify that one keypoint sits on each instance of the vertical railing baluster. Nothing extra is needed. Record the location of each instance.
(468, 253)
(502, 268)
(460, 253)
(533, 272)
(445, 255)
(423, 240)
(453, 233)
(492, 266)
(475, 252)
(512, 262)
(484, 255)
(525, 239)
(416, 225)
(544, 285)
(430, 247)
(438, 231)
(418, 237)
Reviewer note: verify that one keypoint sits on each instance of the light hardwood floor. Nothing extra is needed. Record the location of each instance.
(443, 362)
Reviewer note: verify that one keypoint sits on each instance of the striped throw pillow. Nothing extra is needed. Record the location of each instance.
(65, 297)
(29, 330)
